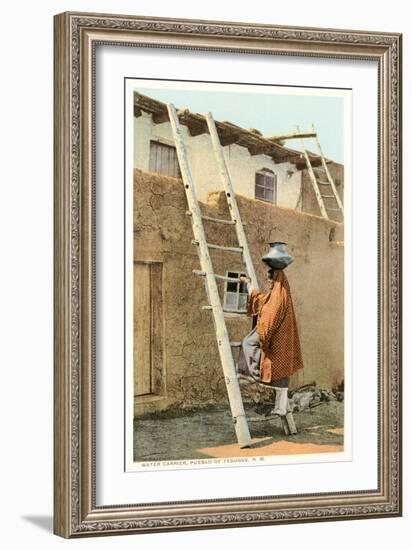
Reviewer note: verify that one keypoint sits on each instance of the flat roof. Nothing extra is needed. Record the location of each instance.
(228, 133)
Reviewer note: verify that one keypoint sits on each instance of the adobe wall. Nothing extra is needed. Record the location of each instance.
(162, 231)
(203, 165)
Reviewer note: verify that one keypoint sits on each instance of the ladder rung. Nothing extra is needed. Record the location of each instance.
(328, 197)
(229, 279)
(235, 344)
(219, 247)
(248, 379)
(334, 209)
(218, 220)
(221, 277)
(210, 219)
(231, 314)
(228, 311)
(225, 248)
(323, 182)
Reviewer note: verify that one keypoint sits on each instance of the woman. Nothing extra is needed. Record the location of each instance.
(271, 352)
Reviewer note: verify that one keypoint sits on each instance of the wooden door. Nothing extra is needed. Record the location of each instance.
(147, 328)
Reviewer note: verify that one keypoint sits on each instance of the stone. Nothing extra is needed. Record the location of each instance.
(303, 399)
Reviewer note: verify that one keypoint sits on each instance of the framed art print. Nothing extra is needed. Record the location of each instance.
(227, 274)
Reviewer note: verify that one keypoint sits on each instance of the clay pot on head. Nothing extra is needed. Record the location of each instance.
(277, 257)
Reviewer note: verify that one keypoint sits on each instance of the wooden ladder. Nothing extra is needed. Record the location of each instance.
(331, 201)
(207, 273)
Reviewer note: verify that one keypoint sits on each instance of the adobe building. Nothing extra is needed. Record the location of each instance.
(175, 350)
(260, 167)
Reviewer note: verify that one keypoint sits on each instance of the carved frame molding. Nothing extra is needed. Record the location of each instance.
(76, 36)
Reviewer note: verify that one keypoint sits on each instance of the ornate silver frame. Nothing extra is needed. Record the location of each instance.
(75, 510)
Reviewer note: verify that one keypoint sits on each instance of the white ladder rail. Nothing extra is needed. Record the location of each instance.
(230, 197)
(224, 347)
(327, 172)
(313, 179)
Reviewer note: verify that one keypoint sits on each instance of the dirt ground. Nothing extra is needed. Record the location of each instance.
(209, 432)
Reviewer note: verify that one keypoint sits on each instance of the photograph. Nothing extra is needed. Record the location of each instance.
(237, 281)
(227, 265)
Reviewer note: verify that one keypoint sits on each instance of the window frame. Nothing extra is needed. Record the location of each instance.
(237, 293)
(266, 172)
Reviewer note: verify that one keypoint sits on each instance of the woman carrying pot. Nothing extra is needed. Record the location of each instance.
(271, 352)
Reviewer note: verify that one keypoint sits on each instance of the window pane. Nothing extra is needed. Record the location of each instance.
(243, 288)
(264, 186)
(231, 287)
(236, 294)
(269, 195)
(259, 192)
(268, 181)
(231, 300)
(259, 178)
(242, 301)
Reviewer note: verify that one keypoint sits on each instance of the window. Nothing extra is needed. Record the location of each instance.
(163, 159)
(265, 185)
(236, 294)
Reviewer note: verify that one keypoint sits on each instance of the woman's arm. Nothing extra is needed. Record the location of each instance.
(248, 282)
(256, 298)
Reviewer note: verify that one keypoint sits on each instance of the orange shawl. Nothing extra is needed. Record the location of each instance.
(276, 325)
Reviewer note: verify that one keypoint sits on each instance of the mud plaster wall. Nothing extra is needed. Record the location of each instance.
(162, 232)
(203, 165)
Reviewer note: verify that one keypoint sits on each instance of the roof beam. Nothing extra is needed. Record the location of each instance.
(196, 124)
(228, 137)
(258, 149)
(229, 133)
(158, 118)
(292, 135)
